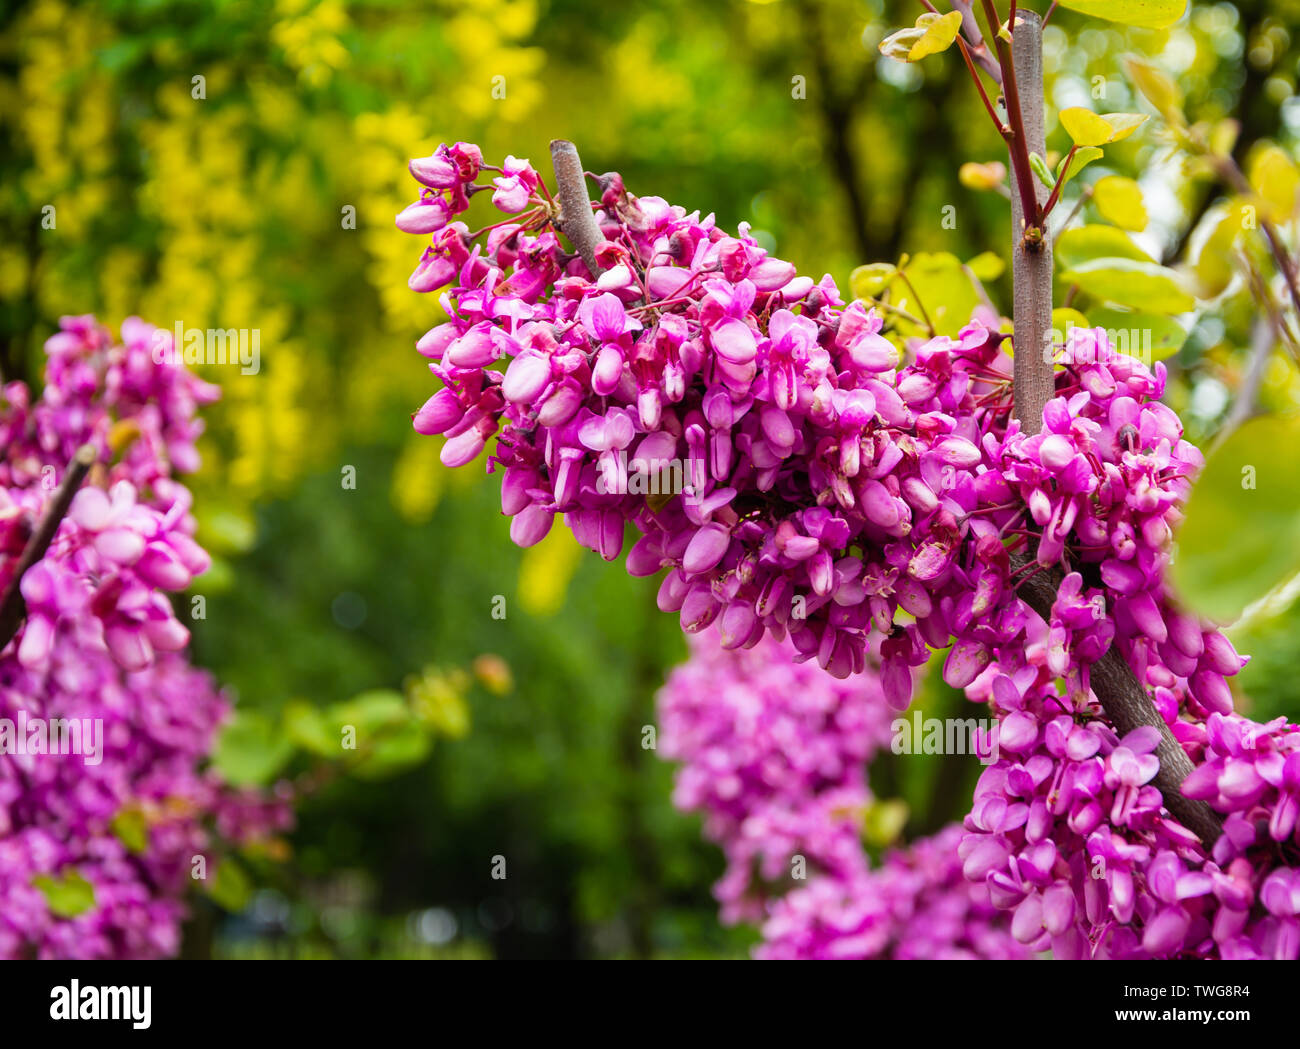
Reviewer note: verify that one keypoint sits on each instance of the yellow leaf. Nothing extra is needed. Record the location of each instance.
(1223, 137)
(982, 176)
(1085, 127)
(931, 34)
(1159, 88)
(1150, 14)
(987, 266)
(1211, 246)
(1083, 156)
(1123, 124)
(883, 821)
(1274, 177)
(938, 36)
(867, 282)
(1119, 200)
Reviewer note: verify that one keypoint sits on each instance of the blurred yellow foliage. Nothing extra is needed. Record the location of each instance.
(546, 570)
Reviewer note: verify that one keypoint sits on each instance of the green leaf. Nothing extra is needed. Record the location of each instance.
(227, 531)
(944, 285)
(883, 821)
(987, 266)
(1123, 124)
(1119, 200)
(1159, 88)
(307, 727)
(1149, 14)
(1241, 536)
(131, 828)
(389, 737)
(229, 886)
(1064, 318)
(1083, 156)
(1274, 177)
(394, 750)
(371, 712)
(68, 896)
(250, 749)
(1129, 282)
(1211, 246)
(1039, 167)
(1147, 336)
(869, 281)
(1096, 242)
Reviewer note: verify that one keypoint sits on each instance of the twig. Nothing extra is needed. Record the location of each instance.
(979, 49)
(1231, 173)
(575, 220)
(1084, 197)
(919, 304)
(1016, 143)
(1261, 349)
(979, 84)
(12, 607)
(1060, 182)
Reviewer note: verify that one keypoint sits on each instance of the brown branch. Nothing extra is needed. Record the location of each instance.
(576, 220)
(1128, 707)
(1112, 680)
(12, 607)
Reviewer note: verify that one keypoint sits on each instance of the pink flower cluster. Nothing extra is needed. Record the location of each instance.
(915, 905)
(100, 644)
(1066, 828)
(774, 753)
(841, 495)
(128, 536)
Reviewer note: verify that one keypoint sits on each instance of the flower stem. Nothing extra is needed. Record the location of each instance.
(12, 607)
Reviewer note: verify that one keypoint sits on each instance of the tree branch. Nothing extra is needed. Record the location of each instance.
(1031, 263)
(1127, 707)
(575, 220)
(12, 607)
(1112, 680)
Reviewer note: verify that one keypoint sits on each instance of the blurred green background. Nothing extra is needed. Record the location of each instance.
(233, 210)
